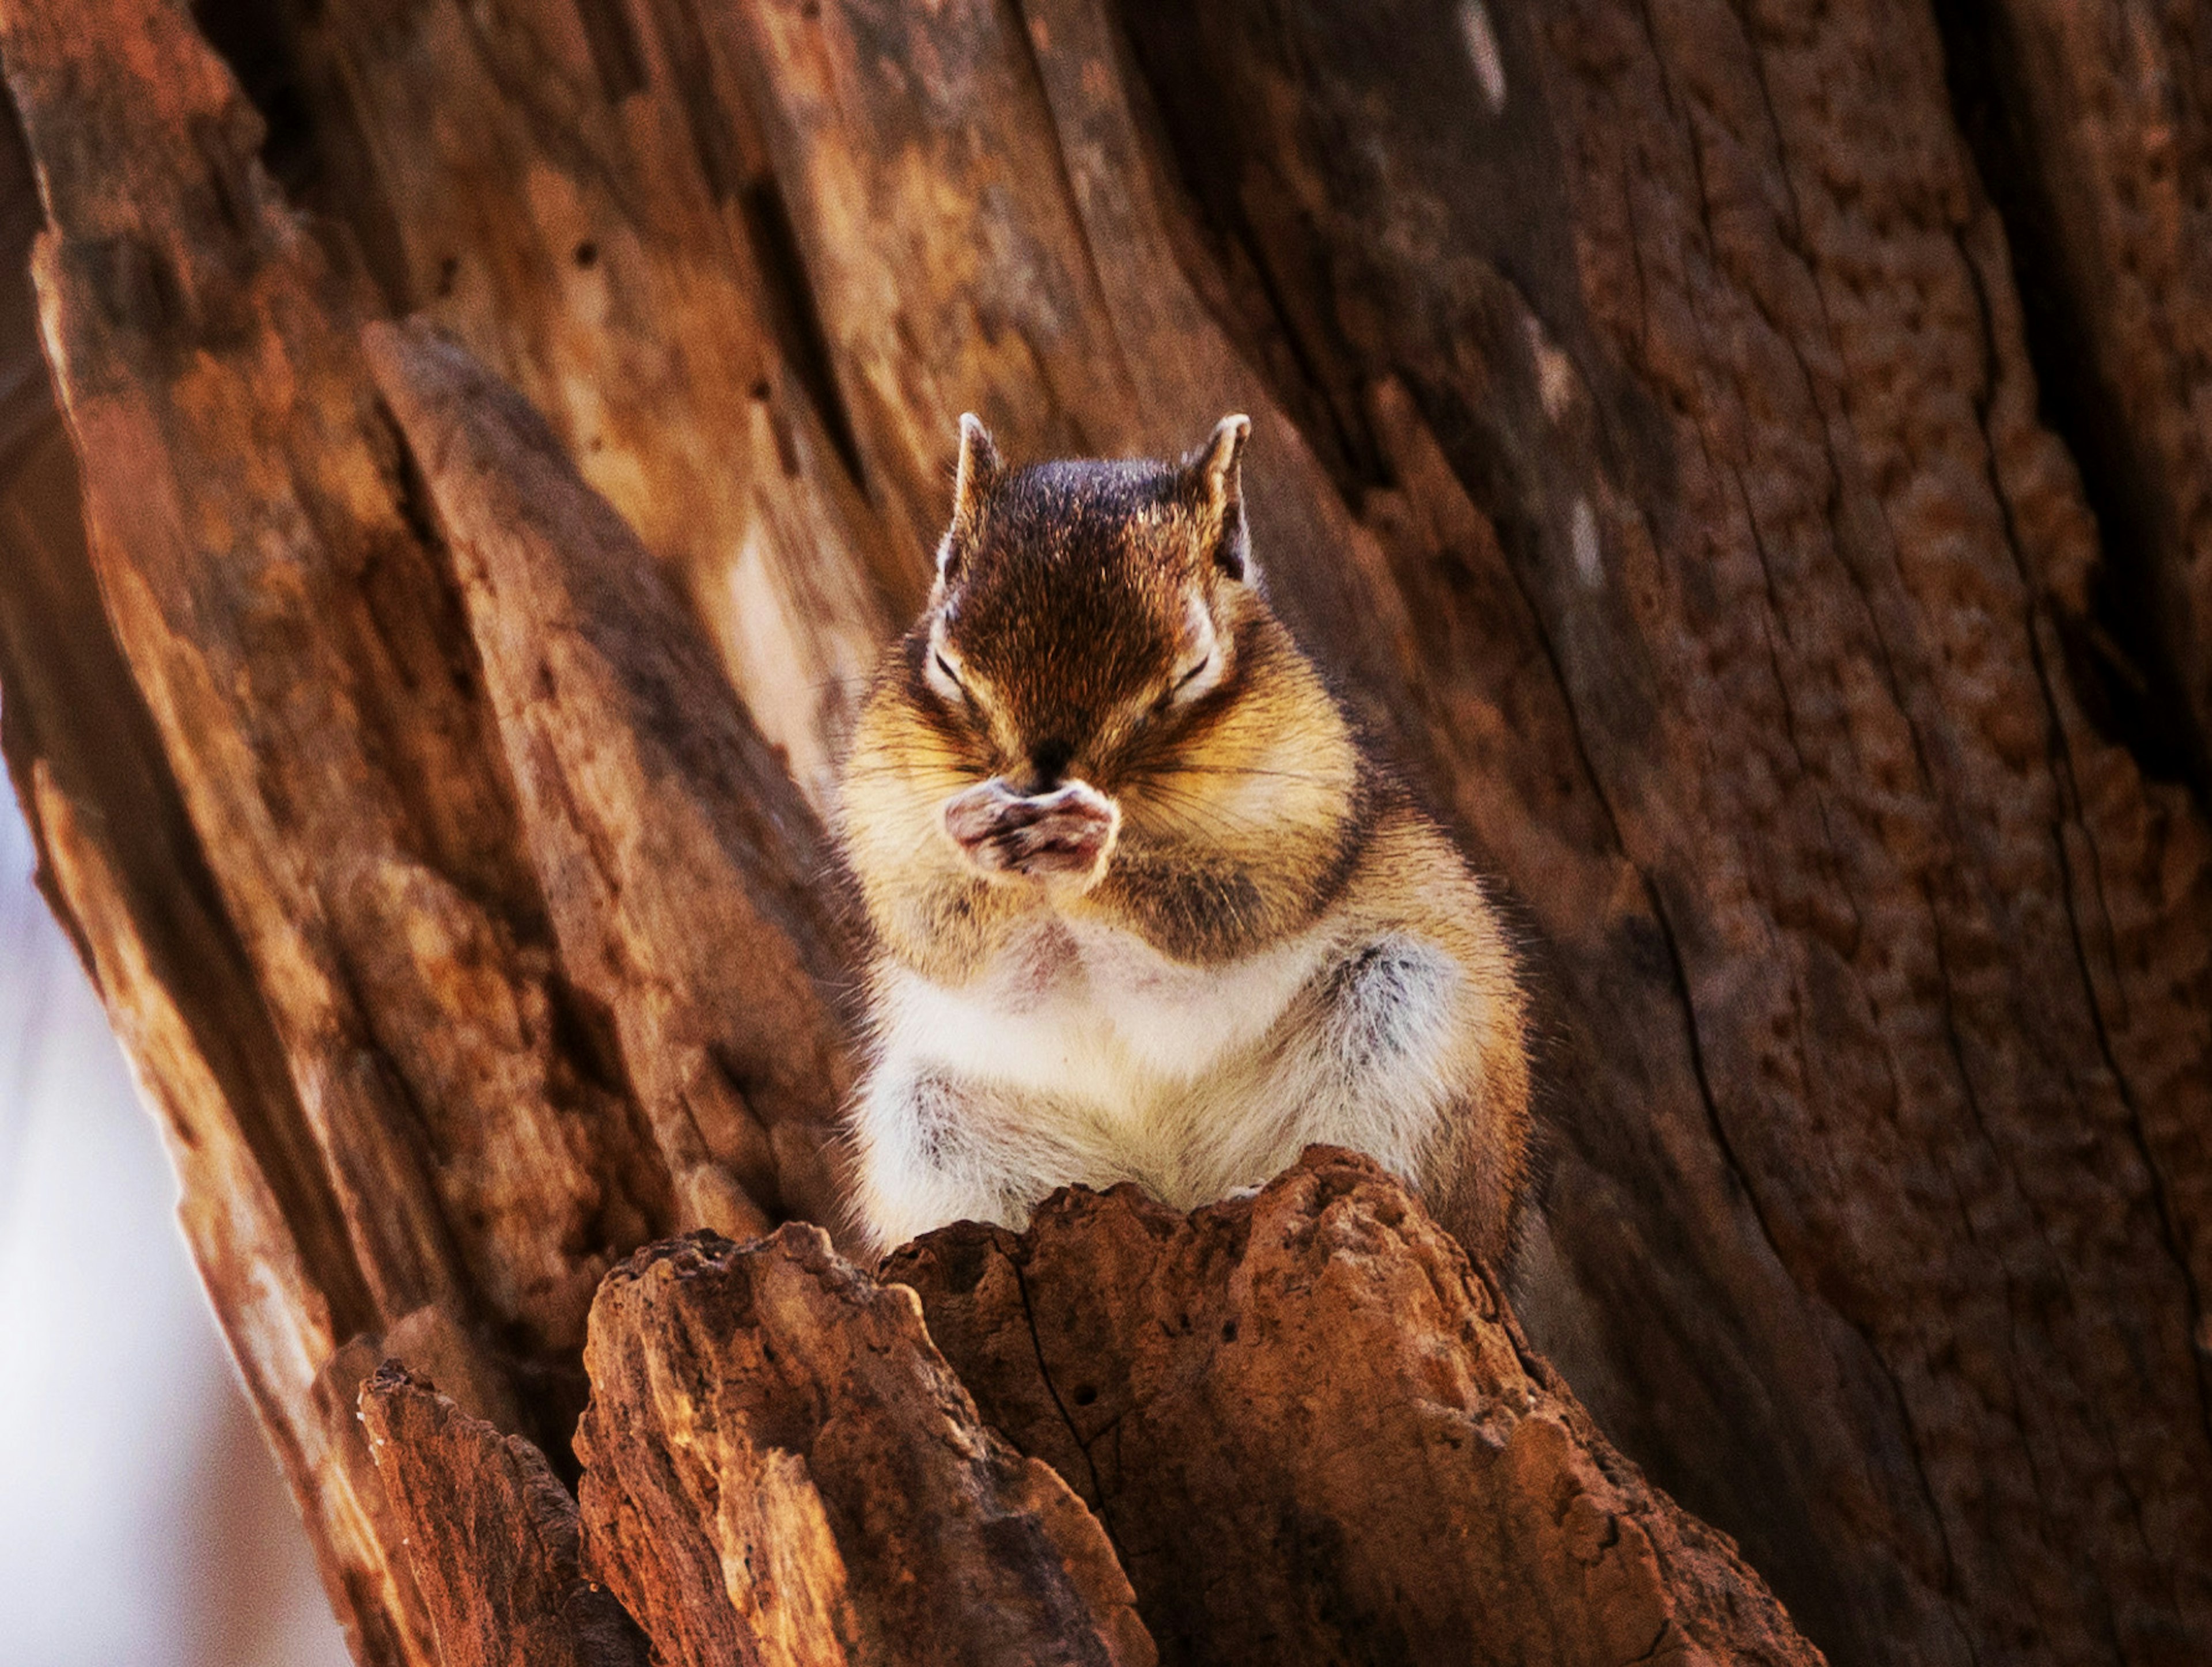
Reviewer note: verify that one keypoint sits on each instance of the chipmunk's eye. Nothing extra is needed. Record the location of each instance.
(947, 679)
(1192, 683)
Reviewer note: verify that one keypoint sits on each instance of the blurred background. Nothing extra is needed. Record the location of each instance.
(143, 1523)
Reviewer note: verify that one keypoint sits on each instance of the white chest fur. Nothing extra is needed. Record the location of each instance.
(1089, 1012)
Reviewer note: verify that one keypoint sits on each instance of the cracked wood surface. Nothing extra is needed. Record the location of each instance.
(1310, 1428)
(1710, 312)
(682, 873)
(780, 1467)
(2093, 126)
(1316, 1435)
(301, 878)
(491, 1535)
(579, 195)
(1649, 428)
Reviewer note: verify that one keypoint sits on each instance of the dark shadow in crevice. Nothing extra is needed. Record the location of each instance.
(2115, 662)
(792, 316)
(257, 49)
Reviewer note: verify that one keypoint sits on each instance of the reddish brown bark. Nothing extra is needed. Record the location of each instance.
(1313, 1429)
(779, 1466)
(396, 1110)
(491, 1536)
(1317, 1435)
(1650, 428)
(1713, 316)
(2093, 126)
(680, 870)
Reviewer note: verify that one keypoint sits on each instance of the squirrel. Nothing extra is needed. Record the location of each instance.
(1144, 908)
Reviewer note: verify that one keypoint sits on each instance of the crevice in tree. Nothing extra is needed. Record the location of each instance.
(1193, 140)
(2060, 753)
(257, 49)
(2128, 687)
(552, 1393)
(410, 495)
(1100, 1505)
(793, 318)
(616, 52)
(691, 61)
(310, 146)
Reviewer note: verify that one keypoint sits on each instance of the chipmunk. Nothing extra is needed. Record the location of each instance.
(1144, 908)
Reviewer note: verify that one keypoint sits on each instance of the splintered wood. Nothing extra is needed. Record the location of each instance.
(1319, 1436)
(1304, 1424)
(778, 1465)
(1746, 464)
(491, 1534)
(681, 871)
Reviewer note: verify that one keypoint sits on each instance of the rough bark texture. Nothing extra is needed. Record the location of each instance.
(1748, 461)
(779, 1466)
(579, 193)
(1712, 314)
(680, 870)
(492, 1537)
(2092, 124)
(1313, 1428)
(400, 1107)
(1317, 1435)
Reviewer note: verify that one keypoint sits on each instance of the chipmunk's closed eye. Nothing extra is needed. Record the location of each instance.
(944, 677)
(1195, 680)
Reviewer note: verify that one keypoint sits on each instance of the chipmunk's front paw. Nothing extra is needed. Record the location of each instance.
(1066, 835)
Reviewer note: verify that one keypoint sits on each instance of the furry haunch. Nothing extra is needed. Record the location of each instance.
(1143, 908)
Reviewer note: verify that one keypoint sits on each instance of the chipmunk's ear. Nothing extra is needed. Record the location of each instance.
(979, 469)
(1214, 475)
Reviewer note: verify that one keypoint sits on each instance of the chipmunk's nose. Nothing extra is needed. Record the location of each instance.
(1048, 763)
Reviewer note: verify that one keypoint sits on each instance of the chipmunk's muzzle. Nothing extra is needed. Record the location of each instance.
(1067, 835)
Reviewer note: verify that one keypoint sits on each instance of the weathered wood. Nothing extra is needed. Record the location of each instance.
(1644, 428)
(121, 864)
(1317, 1435)
(778, 1467)
(1880, 1215)
(683, 875)
(304, 666)
(298, 870)
(991, 235)
(492, 1537)
(1312, 1425)
(2092, 127)
(576, 193)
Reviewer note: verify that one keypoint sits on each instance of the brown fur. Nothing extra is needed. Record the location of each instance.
(1246, 817)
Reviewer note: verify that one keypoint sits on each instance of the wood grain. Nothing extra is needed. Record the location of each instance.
(779, 1466)
(1317, 1435)
(491, 1535)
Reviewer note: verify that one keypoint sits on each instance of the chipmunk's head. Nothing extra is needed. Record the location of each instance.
(1097, 672)
(1085, 614)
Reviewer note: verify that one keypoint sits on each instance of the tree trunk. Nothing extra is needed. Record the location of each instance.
(1749, 463)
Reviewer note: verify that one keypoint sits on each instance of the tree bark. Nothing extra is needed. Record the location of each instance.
(1317, 1435)
(491, 1535)
(1311, 1425)
(779, 1466)
(1745, 462)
